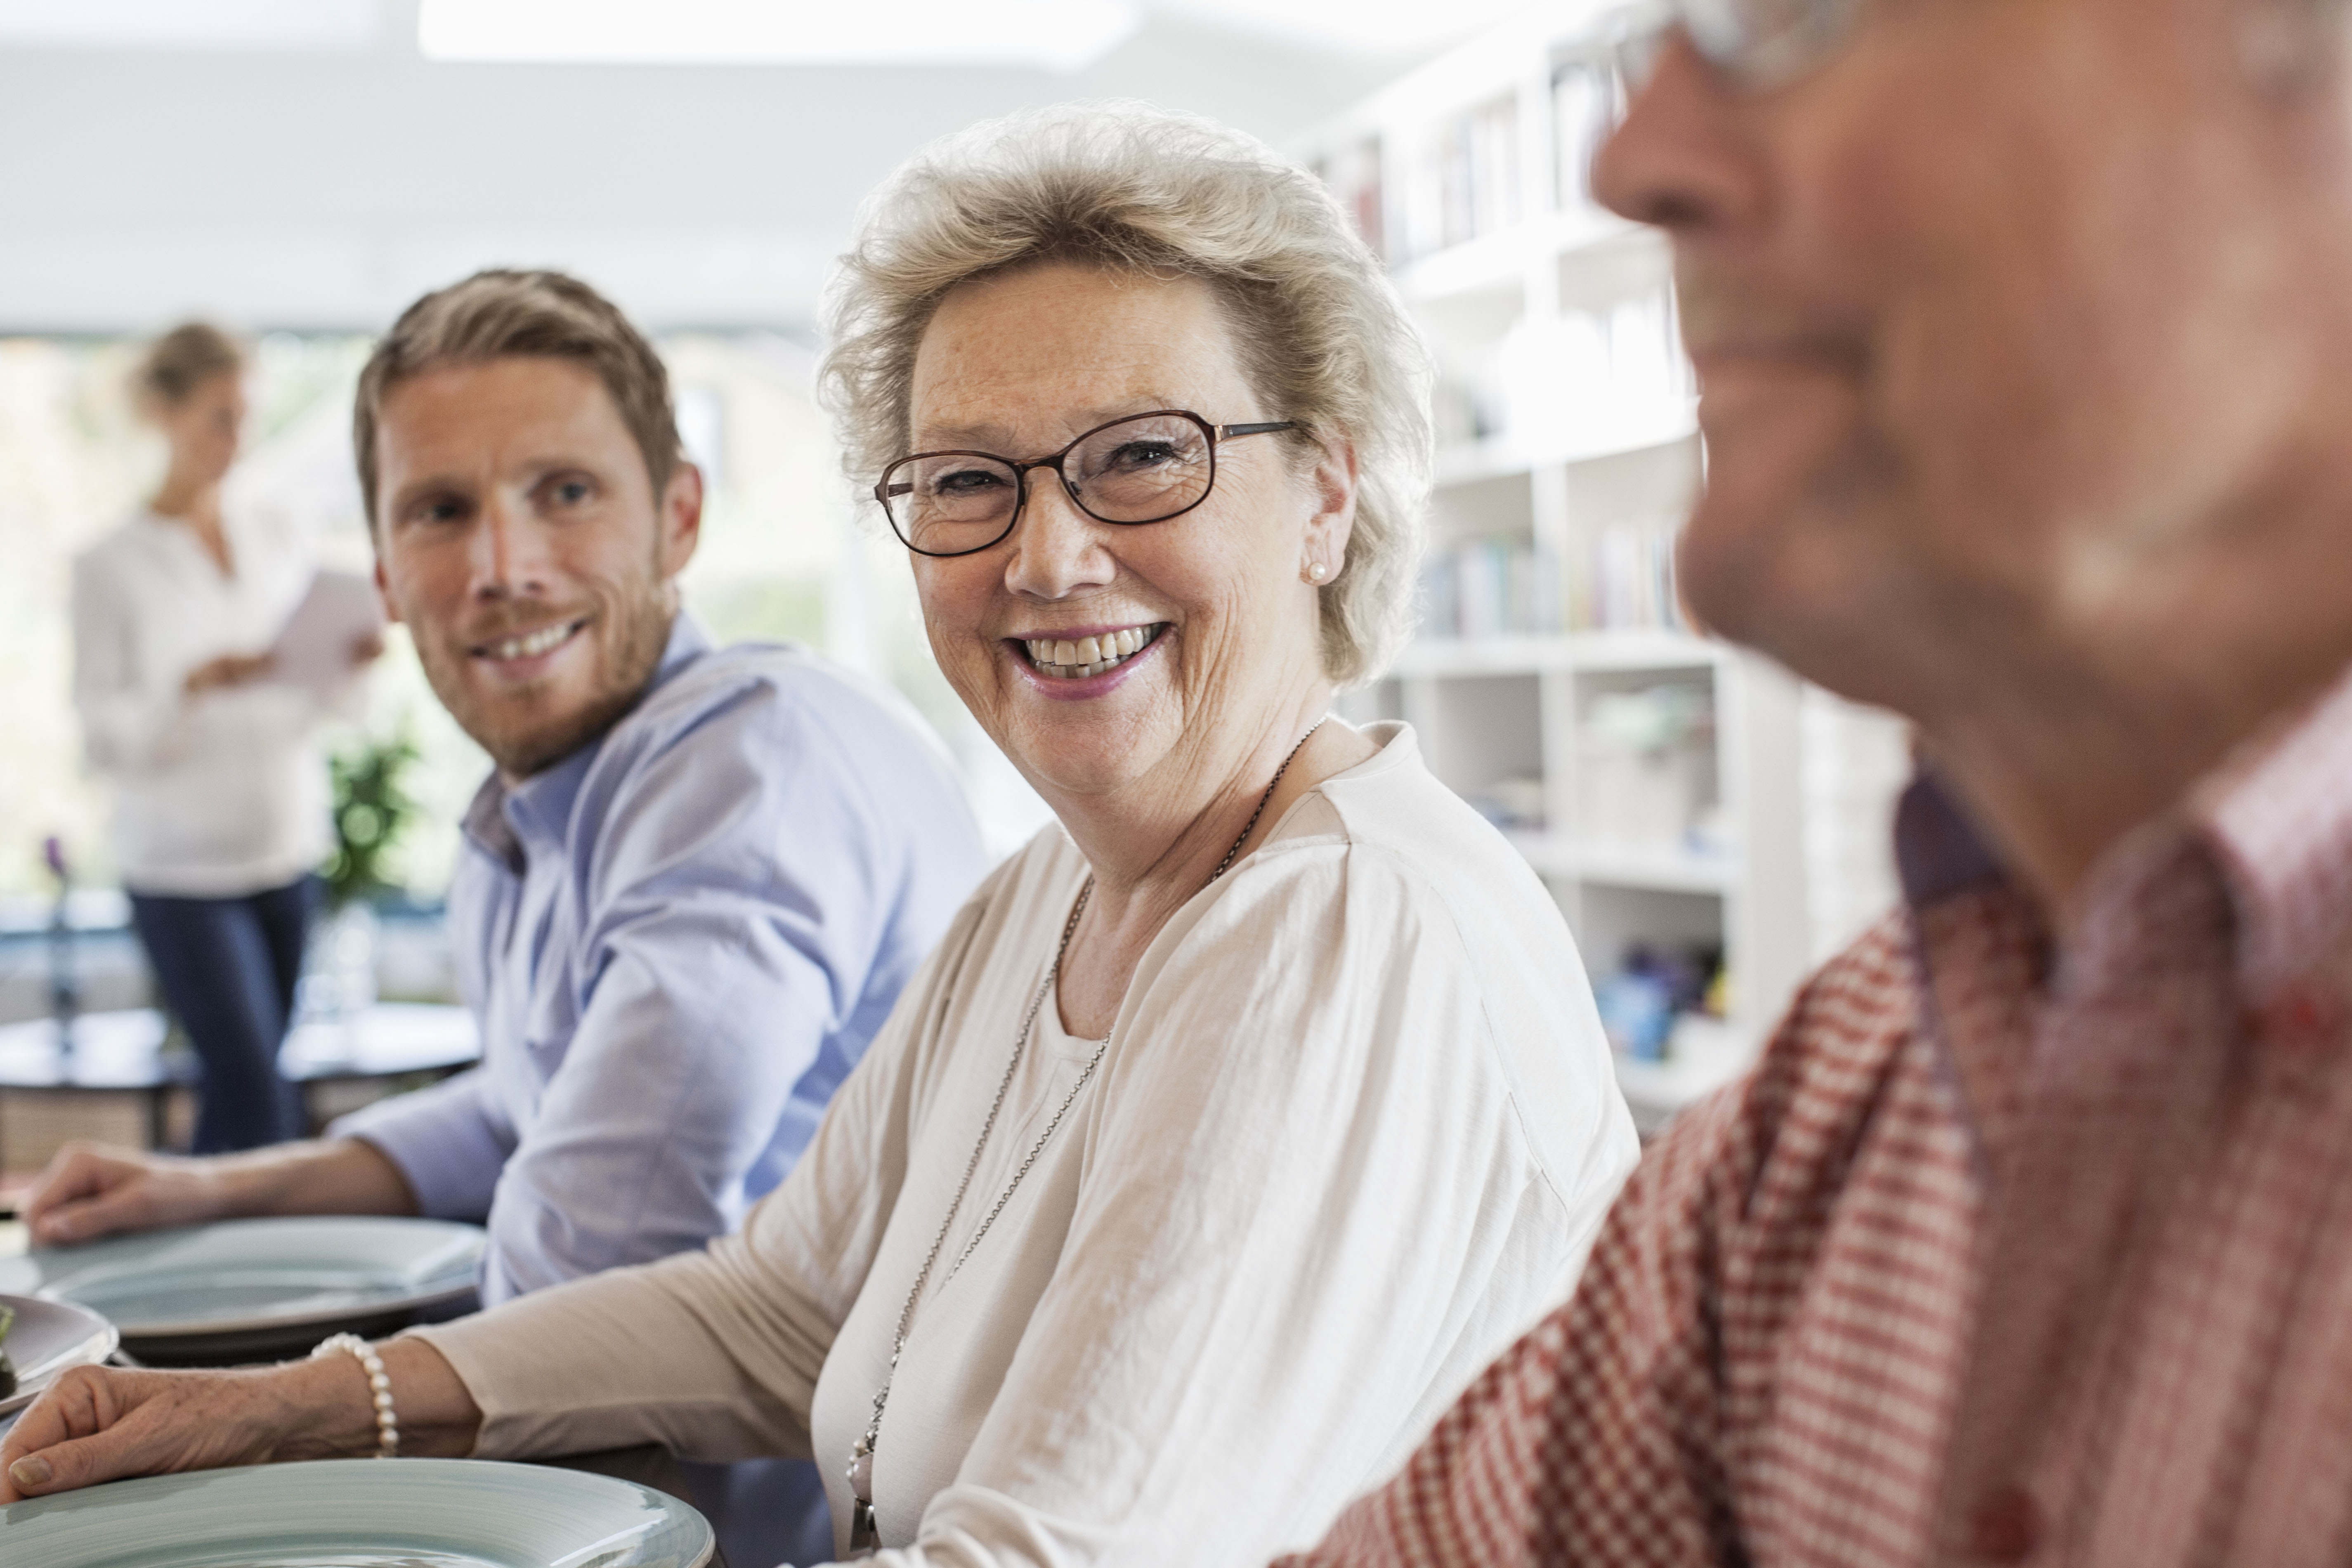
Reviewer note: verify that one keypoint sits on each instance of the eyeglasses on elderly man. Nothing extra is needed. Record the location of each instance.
(1760, 44)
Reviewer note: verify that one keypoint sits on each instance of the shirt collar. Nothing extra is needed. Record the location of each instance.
(2276, 819)
(2279, 819)
(1938, 850)
(485, 825)
(506, 822)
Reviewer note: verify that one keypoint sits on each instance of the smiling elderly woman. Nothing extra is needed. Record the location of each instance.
(1246, 1114)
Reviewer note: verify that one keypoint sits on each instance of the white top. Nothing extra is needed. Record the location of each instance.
(223, 792)
(1356, 1130)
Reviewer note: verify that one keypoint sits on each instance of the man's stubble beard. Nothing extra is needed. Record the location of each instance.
(524, 747)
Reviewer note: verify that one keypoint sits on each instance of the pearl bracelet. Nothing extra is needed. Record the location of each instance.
(387, 1427)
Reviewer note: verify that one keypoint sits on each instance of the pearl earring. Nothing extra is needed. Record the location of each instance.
(1315, 573)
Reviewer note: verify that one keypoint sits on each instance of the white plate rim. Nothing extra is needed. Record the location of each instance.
(439, 1473)
(438, 1290)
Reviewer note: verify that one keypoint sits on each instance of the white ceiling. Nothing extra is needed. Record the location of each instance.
(325, 185)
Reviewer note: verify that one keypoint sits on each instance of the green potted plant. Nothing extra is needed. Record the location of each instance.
(371, 809)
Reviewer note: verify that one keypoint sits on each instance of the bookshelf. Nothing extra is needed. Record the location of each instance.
(1660, 783)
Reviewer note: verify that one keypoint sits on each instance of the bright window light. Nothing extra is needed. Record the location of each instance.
(1054, 34)
(268, 25)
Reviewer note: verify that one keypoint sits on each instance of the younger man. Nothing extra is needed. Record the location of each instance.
(691, 891)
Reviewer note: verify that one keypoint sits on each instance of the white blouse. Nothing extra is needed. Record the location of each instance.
(1356, 1130)
(219, 793)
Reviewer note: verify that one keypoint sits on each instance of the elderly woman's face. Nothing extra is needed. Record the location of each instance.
(1208, 619)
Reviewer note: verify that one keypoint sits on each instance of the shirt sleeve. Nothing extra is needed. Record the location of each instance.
(735, 903)
(449, 1143)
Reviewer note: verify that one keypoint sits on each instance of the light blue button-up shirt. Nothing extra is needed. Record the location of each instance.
(677, 943)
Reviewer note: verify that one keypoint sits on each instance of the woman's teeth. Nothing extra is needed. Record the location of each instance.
(1074, 660)
(537, 643)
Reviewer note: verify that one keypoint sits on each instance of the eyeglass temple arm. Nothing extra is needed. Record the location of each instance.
(1227, 432)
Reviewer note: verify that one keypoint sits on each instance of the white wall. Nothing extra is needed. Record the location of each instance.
(325, 191)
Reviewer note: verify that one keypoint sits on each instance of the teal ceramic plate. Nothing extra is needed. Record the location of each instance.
(255, 1284)
(49, 1337)
(359, 1513)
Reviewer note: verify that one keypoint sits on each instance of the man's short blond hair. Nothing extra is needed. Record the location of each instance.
(504, 314)
(1323, 337)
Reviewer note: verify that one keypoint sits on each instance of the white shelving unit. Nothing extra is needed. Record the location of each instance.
(1567, 456)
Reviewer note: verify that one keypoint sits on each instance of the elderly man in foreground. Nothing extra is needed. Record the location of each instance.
(692, 888)
(2026, 345)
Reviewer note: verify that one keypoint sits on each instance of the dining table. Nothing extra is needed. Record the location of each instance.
(130, 1052)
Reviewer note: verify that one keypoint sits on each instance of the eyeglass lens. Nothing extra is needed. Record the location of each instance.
(1140, 470)
(1763, 44)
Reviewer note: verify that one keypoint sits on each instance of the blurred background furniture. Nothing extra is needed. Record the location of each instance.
(111, 1076)
(1711, 828)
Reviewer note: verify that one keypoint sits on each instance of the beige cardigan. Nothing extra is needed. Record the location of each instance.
(1356, 1130)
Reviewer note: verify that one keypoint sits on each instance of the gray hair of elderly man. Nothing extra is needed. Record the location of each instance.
(1134, 188)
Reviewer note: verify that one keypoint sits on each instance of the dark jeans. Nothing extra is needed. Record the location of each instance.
(226, 968)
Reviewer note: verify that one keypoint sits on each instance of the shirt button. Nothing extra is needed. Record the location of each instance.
(2006, 1527)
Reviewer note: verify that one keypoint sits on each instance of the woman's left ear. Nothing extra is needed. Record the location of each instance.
(1334, 479)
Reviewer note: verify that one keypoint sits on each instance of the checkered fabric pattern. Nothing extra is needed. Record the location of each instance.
(2009, 1251)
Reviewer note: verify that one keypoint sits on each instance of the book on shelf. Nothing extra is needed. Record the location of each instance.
(1478, 172)
(1353, 174)
(1623, 578)
(1490, 588)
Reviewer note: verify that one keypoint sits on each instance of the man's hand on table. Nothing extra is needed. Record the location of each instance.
(91, 1190)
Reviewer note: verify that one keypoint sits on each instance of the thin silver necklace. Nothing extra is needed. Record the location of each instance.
(865, 1534)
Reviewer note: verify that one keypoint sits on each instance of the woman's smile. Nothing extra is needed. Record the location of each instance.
(1075, 655)
(1079, 665)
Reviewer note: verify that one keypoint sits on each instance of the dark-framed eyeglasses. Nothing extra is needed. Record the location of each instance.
(1758, 44)
(1146, 468)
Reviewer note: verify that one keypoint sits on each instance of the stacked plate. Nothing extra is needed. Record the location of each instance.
(359, 1513)
(48, 1337)
(246, 1290)
(258, 1288)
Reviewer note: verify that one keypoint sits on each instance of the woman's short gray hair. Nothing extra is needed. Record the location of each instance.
(1126, 186)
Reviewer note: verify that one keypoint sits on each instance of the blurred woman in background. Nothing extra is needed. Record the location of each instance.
(220, 809)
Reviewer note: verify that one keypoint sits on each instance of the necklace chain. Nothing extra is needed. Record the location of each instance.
(863, 1527)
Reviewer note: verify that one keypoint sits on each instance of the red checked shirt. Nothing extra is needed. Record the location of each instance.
(2004, 1254)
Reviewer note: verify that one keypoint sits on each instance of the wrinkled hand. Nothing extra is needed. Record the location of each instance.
(228, 670)
(102, 1422)
(91, 1190)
